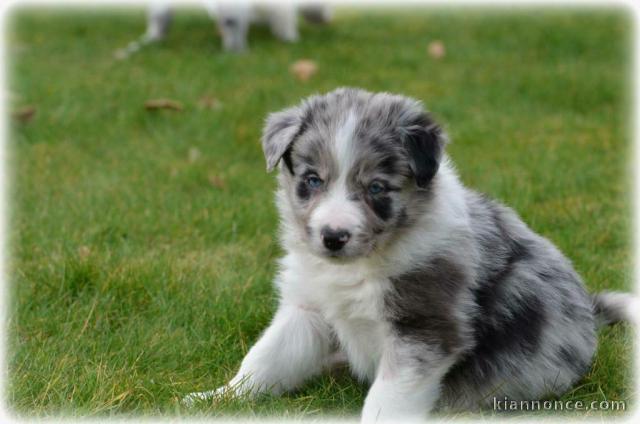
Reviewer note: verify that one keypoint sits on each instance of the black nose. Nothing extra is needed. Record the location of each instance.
(334, 239)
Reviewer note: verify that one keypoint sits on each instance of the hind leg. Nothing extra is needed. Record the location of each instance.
(535, 337)
(283, 22)
(233, 24)
(158, 21)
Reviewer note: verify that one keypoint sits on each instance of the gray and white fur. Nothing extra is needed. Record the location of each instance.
(438, 296)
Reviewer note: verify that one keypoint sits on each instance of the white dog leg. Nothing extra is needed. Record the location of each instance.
(158, 21)
(233, 23)
(293, 348)
(283, 21)
(404, 390)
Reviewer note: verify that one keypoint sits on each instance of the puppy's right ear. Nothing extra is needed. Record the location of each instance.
(280, 130)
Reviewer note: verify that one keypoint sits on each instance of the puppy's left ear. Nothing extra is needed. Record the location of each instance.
(280, 130)
(424, 141)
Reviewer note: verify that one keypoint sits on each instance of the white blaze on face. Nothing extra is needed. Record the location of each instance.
(343, 144)
(336, 210)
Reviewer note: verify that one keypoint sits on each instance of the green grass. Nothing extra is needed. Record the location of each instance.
(135, 280)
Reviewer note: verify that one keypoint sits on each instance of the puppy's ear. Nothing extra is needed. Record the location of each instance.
(424, 141)
(280, 130)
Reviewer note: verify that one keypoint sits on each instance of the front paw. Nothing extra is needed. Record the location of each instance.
(192, 398)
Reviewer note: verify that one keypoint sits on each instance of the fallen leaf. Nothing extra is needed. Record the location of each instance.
(217, 182)
(155, 104)
(304, 69)
(436, 49)
(209, 102)
(194, 154)
(84, 252)
(24, 114)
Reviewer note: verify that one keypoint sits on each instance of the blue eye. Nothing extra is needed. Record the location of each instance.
(314, 181)
(376, 187)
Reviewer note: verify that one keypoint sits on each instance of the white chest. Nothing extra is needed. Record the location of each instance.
(351, 299)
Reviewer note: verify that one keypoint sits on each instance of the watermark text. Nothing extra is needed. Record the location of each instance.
(506, 404)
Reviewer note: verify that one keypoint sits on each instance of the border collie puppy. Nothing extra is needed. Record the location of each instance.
(437, 295)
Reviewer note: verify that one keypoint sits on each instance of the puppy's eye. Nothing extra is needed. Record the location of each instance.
(376, 187)
(314, 181)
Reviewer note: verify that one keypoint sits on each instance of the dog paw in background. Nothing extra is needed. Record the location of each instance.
(158, 22)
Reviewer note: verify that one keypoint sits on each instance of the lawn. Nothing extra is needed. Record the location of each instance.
(142, 243)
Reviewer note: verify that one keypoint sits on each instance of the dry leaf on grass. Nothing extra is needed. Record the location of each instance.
(436, 49)
(209, 102)
(194, 154)
(217, 181)
(304, 69)
(156, 104)
(24, 114)
(84, 252)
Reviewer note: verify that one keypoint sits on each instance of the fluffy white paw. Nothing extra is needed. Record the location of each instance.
(195, 397)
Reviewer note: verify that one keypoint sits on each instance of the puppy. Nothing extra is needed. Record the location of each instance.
(234, 19)
(437, 295)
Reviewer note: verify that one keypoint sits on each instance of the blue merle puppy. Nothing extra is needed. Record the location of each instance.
(438, 296)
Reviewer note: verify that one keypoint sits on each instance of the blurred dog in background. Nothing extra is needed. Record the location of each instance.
(234, 19)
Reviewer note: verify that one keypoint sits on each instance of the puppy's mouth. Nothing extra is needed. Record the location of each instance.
(337, 256)
(345, 255)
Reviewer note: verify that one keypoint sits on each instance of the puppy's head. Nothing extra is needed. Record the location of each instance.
(355, 168)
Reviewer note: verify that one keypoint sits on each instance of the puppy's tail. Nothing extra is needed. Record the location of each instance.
(612, 307)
